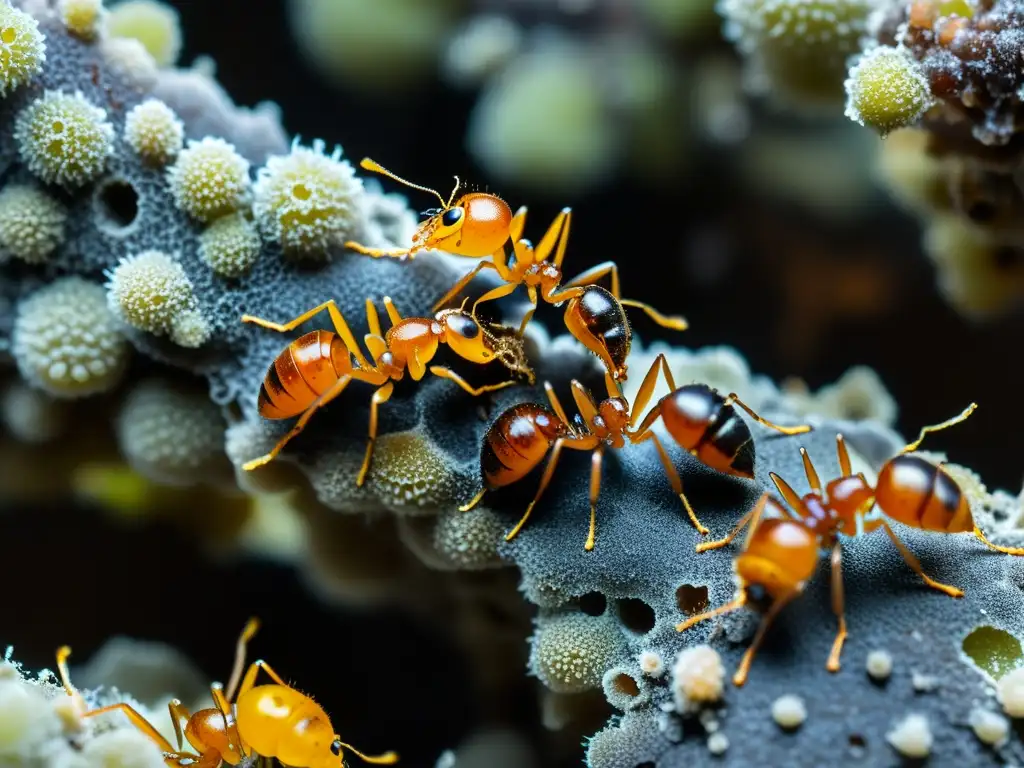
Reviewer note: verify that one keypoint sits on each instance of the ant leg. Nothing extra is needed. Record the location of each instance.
(138, 721)
(744, 669)
(753, 517)
(474, 501)
(962, 416)
(844, 457)
(557, 232)
(337, 319)
(336, 389)
(1018, 551)
(495, 293)
(250, 629)
(584, 401)
(532, 292)
(647, 386)
(787, 493)
(65, 678)
(388, 758)
(729, 607)
(549, 471)
(915, 565)
(249, 681)
(392, 310)
(463, 281)
(380, 396)
(674, 479)
(179, 713)
(448, 373)
(595, 492)
(672, 322)
(812, 475)
(733, 399)
(373, 319)
(832, 665)
(518, 224)
(556, 404)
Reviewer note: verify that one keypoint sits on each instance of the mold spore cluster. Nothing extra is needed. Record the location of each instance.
(162, 212)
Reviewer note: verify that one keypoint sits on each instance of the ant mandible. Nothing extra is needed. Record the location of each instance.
(481, 224)
(781, 552)
(477, 225)
(274, 721)
(314, 369)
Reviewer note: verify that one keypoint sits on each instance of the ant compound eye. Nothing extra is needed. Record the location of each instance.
(464, 326)
(336, 747)
(451, 217)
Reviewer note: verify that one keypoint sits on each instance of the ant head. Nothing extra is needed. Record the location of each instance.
(464, 334)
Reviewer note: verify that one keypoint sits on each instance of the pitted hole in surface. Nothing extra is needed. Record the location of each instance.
(692, 600)
(994, 650)
(593, 603)
(648, 764)
(858, 745)
(636, 615)
(117, 205)
(626, 685)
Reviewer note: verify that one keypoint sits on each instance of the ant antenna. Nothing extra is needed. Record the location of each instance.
(375, 167)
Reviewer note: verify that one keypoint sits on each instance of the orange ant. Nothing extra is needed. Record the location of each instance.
(274, 721)
(477, 225)
(697, 417)
(594, 315)
(703, 423)
(780, 554)
(315, 368)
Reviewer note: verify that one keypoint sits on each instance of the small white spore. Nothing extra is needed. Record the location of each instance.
(912, 737)
(697, 677)
(789, 711)
(924, 683)
(718, 742)
(879, 665)
(990, 727)
(651, 663)
(1010, 693)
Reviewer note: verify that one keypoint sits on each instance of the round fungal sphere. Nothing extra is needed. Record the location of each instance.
(230, 245)
(81, 17)
(170, 434)
(31, 223)
(148, 290)
(128, 59)
(209, 179)
(469, 540)
(410, 476)
(22, 50)
(698, 677)
(797, 49)
(542, 122)
(122, 748)
(912, 736)
(31, 415)
(64, 139)
(27, 721)
(154, 131)
(887, 89)
(154, 24)
(1010, 693)
(306, 200)
(190, 329)
(570, 654)
(789, 711)
(66, 341)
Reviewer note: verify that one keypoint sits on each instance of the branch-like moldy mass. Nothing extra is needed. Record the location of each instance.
(142, 222)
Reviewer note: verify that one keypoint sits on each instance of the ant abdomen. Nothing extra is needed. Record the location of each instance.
(597, 319)
(303, 371)
(921, 494)
(517, 442)
(703, 423)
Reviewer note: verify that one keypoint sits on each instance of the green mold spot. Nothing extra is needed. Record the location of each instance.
(994, 650)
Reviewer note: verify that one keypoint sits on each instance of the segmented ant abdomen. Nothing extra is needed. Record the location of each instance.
(303, 371)
(517, 442)
(699, 419)
(780, 555)
(598, 321)
(921, 494)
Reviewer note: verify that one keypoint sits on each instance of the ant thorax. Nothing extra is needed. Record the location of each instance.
(544, 274)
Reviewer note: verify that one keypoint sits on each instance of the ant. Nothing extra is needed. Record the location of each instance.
(315, 368)
(476, 226)
(594, 315)
(696, 416)
(275, 721)
(781, 552)
(522, 435)
(703, 423)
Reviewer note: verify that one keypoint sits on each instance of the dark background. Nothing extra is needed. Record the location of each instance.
(70, 578)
